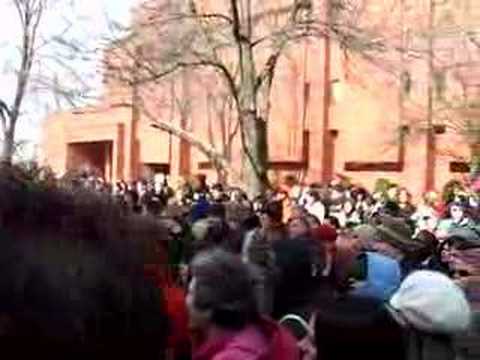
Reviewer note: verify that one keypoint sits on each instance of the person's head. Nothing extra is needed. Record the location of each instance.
(217, 192)
(393, 236)
(199, 182)
(456, 211)
(298, 211)
(220, 293)
(70, 263)
(391, 208)
(404, 196)
(271, 214)
(377, 196)
(273, 178)
(336, 192)
(431, 302)
(326, 235)
(333, 221)
(359, 194)
(430, 198)
(312, 220)
(427, 245)
(361, 237)
(298, 226)
(427, 221)
(392, 192)
(208, 233)
(312, 196)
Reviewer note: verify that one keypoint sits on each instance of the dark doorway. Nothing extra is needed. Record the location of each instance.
(93, 156)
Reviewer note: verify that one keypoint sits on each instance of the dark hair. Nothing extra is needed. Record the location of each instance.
(223, 286)
(391, 208)
(357, 326)
(295, 260)
(314, 194)
(427, 245)
(274, 210)
(72, 282)
(302, 219)
(334, 221)
(312, 220)
(217, 210)
(217, 187)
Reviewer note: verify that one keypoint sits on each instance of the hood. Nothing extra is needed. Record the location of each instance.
(431, 302)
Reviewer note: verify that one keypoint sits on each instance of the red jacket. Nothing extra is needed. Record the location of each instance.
(265, 340)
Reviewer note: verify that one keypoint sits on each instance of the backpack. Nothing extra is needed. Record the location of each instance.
(306, 345)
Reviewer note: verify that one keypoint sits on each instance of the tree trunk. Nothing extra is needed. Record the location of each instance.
(254, 130)
(255, 155)
(8, 148)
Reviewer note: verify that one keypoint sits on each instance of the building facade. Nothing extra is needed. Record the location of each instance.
(402, 113)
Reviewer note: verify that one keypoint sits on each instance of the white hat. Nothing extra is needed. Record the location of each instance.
(431, 302)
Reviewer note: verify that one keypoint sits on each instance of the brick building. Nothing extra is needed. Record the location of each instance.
(401, 115)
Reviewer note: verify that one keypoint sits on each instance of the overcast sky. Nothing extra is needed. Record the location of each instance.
(90, 19)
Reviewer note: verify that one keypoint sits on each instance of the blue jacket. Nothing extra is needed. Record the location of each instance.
(383, 277)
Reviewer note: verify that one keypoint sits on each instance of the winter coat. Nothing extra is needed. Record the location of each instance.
(265, 340)
(257, 253)
(383, 277)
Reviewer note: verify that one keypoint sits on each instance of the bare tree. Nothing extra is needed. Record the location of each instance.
(43, 57)
(236, 41)
(30, 13)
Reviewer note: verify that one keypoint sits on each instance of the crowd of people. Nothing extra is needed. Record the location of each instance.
(324, 271)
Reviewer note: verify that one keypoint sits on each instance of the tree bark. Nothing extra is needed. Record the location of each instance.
(254, 130)
(255, 155)
(8, 148)
(218, 160)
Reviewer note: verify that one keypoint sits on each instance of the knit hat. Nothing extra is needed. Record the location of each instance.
(366, 235)
(394, 231)
(431, 302)
(325, 233)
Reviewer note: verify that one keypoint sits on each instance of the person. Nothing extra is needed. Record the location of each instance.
(257, 252)
(297, 260)
(463, 259)
(392, 237)
(314, 205)
(366, 273)
(432, 309)
(72, 279)
(208, 233)
(425, 257)
(298, 226)
(351, 327)
(405, 203)
(224, 314)
(457, 219)
(218, 194)
(326, 237)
